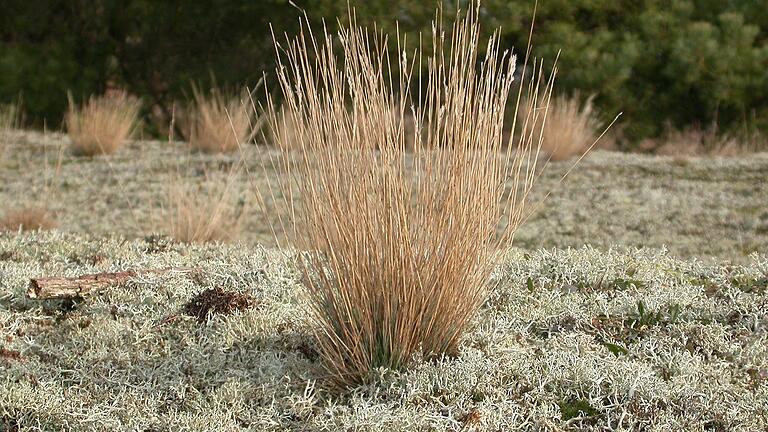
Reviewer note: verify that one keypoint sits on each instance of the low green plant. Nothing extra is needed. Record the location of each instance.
(576, 408)
(645, 318)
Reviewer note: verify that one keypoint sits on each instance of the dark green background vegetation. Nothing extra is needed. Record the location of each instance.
(673, 63)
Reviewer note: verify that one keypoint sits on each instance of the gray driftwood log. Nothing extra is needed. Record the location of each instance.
(61, 287)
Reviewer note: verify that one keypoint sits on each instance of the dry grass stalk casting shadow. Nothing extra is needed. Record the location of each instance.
(397, 263)
(103, 124)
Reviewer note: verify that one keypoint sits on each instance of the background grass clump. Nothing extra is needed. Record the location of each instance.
(570, 129)
(209, 213)
(26, 219)
(9, 120)
(103, 124)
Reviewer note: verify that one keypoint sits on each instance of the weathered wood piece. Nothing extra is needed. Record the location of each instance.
(62, 287)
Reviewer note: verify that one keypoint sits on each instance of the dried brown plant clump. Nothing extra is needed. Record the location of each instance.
(220, 123)
(571, 127)
(399, 243)
(217, 301)
(103, 124)
(27, 219)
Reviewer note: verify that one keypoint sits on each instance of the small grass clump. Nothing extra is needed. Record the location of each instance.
(103, 124)
(570, 129)
(400, 240)
(220, 123)
(27, 219)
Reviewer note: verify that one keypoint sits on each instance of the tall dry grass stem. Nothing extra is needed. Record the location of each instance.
(103, 124)
(398, 244)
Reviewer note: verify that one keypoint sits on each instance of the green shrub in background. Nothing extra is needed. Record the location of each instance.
(664, 63)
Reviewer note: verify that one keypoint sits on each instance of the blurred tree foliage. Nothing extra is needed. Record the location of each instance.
(662, 62)
(155, 49)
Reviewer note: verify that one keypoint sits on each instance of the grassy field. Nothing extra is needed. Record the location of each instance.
(590, 325)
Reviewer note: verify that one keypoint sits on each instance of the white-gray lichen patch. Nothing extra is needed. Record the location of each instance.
(570, 339)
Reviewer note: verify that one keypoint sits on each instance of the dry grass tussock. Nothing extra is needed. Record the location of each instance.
(400, 243)
(27, 219)
(103, 124)
(571, 127)
(220, 123)
(708, 142)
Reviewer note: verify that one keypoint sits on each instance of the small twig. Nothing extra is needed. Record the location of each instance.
(61, 287)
